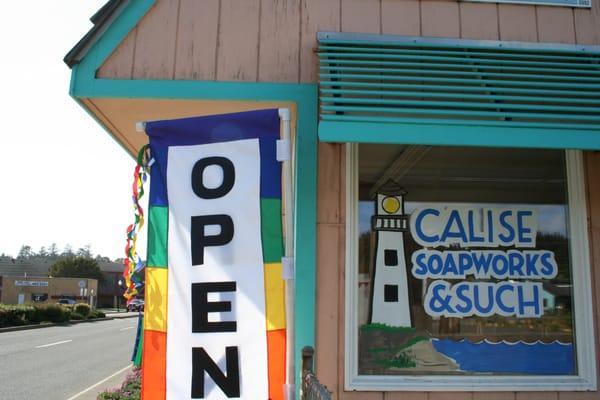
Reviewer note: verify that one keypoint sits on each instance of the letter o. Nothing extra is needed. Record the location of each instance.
(198, 181)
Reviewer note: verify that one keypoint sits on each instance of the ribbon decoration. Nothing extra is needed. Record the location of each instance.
(133, 272)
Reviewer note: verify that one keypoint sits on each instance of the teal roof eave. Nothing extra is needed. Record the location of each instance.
(107, 42)
(427, 133)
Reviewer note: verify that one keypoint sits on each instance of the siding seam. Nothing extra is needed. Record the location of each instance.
(176, 42)
(218, 44)
(135, 31)
(537, 28)
(258, 41)
(300, 43)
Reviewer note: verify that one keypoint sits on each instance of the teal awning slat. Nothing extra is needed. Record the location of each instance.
(458, 89)
(331, 57)
(465, 113)
(507, 82)
(494, 53)
(411, 71)
(458, 104)
(446, 66)
(456, 96)
(401, 83)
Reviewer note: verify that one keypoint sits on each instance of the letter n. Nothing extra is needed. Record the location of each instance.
(201, 362)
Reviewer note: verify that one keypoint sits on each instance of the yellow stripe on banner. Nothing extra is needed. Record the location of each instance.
(275, 297)
(155, 309)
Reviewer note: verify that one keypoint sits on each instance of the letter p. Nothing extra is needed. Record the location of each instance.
(200, 240)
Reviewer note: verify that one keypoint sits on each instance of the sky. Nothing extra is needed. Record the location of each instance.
(63, 179)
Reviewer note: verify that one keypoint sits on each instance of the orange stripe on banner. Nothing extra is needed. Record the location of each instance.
(154, 366)
(276, 351)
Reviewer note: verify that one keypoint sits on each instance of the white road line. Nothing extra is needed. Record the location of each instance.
(99, 383)
(53, 344)
(129, 327)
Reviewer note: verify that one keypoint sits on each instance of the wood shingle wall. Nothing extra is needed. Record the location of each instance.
(273, 40)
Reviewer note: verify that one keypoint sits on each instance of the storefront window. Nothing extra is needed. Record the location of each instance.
(464, 266)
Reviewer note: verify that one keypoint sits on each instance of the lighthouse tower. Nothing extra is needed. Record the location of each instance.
(390, 301)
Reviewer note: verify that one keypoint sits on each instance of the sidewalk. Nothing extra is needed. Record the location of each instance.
(110, 383)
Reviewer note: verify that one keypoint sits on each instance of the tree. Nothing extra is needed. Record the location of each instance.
(43, 253)
(53, 250)
(85, 251)
(68, 251)
(76, 267)
(25, 252)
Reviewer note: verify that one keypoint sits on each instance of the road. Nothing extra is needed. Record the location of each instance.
(57, 363)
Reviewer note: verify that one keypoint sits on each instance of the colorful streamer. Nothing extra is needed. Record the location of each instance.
(133, 272)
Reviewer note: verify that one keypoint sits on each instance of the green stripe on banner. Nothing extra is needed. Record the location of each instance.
(272, 238)
(158, 224)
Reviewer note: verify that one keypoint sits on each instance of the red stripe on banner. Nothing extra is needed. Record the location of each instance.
(276, 354)
(154, 366)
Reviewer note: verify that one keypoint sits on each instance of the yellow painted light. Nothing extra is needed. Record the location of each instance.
(390, 205)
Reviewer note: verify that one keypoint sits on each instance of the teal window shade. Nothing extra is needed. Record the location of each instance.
(412, 90)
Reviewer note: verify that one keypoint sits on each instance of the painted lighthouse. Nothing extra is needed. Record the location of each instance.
(390, 300)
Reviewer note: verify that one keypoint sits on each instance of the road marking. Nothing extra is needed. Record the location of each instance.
(129, 327)
(99, 383)
(53, 344)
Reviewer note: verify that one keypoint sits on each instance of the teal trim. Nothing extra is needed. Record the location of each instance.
(108, 42)
(85, 85)
(457, 135)
(336, 38)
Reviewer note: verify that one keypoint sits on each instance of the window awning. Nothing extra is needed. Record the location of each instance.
(413, 90)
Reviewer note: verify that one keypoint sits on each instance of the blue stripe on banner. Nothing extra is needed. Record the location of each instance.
(261, 124)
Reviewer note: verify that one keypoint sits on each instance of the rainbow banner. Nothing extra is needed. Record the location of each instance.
(214, 323)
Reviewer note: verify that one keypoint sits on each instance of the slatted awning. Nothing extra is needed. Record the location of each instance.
(391, 89)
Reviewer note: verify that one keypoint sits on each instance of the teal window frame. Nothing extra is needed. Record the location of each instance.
(565, 3)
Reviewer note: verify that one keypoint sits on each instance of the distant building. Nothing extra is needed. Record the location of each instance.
(17, 290)
(106, 294)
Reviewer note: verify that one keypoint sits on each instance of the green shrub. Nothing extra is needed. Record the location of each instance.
(53, 313)
(16, 315)
(96, 314)
(75, 316)
(82, 308)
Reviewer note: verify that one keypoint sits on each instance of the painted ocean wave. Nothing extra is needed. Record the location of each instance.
(536, 358)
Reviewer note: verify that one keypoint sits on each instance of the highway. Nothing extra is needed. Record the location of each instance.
(60, 362)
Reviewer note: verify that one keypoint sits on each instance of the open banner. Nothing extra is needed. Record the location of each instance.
(215, 300)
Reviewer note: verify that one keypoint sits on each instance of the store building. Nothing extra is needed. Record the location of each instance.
(47, 290)
(484, 117)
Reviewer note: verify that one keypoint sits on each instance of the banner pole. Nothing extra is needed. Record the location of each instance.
(288, 183)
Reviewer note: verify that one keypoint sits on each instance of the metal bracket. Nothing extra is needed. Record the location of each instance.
(287, 268)
(284, 150)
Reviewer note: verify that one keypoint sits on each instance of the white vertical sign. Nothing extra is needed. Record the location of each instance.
(227, 306)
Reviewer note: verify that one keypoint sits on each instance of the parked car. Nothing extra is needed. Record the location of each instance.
(66, 301)
(136, 305)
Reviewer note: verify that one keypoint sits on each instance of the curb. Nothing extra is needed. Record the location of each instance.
(38, 326)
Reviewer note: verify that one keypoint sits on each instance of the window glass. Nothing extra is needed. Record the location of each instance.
(463, 262)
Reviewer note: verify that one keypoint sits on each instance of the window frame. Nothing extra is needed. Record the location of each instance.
(558, 3)
(582, 300)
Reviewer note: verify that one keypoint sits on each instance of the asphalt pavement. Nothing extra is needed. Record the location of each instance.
(70, 362)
